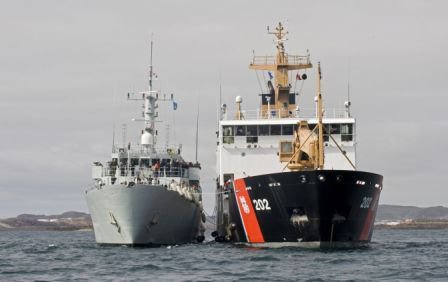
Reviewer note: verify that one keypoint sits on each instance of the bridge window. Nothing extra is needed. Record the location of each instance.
(276, 129)
(287, 129)
(227, 130)
(335, 128)
(240, 130)
(251, 130)
(263, 130)
(252, 134)
(347, 132)
(347, 129)
(326, 130)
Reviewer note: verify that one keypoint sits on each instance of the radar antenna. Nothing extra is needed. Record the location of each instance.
(282, 102)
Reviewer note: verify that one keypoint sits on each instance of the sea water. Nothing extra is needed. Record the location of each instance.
(74, 256)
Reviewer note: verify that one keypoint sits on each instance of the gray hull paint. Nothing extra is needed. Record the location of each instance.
(142, 215)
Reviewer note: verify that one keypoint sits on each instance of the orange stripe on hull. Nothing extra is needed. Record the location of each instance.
(247, 213)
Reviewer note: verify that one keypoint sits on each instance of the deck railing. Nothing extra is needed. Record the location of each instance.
(147, 172)
(284, 113)
(290, 59)
(142, 149)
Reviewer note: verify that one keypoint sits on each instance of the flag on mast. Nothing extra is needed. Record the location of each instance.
(174, 106)
(298, 77)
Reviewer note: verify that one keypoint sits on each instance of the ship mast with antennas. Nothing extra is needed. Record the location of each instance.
(150, 97)
(280, 65)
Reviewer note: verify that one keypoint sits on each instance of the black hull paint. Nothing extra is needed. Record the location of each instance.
(321, 207)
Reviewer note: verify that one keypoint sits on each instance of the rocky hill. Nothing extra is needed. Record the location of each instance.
(408, 217)
(397, 213)
(65, 221)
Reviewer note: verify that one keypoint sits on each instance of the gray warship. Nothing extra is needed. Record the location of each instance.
(146, 195)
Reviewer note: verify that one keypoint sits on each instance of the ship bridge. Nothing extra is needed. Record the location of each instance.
(250, 146)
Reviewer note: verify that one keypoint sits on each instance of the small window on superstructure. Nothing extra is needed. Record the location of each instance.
(252, 139)
(287, 129)
(240, 130)
(276, 129)
(134, 161)
(228, 140)
(292, 98)
(144, 162)
(227, 130)
(263, 130)
(266, 97)
(286, 147)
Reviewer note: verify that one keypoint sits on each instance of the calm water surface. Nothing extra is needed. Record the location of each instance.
(73, 256)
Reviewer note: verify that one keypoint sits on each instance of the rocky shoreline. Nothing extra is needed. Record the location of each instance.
(414, 224)
(68, 221)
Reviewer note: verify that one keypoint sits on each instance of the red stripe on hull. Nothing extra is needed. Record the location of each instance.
(247, 213)
(368, 224)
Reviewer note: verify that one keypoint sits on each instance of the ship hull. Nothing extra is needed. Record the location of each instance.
(143, 215)
(316, 209)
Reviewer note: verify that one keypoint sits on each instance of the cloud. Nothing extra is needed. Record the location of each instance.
(65, 70)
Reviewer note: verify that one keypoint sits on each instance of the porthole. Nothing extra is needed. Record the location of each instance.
(339, 178)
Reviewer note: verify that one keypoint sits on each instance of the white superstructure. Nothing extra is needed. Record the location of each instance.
(250, 146)
(249, 140)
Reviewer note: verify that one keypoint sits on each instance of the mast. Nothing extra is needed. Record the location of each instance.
(150, 98)
(197, 135)
(320, 163)
(150, 67)
(280, 65)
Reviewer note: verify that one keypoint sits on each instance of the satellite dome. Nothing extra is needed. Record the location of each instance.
(146, 138)
(238, 99)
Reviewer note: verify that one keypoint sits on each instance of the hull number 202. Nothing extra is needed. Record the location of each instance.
(365, 204)
(261, 204)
